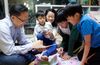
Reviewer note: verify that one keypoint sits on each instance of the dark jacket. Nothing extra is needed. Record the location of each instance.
(71, 42)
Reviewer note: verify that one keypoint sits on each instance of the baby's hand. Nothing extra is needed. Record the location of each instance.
(66, 56)
(60, 50)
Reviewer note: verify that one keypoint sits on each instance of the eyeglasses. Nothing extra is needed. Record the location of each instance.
(21, 19)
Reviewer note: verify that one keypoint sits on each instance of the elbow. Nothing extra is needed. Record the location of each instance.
(87, 44)
(7, 51)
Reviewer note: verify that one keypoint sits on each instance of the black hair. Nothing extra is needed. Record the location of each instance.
(55, 13)
(2, 13)
(60, 16)
(40, 13)
(17, 9)
(70, 10)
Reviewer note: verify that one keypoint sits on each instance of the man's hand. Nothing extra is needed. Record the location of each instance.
(39, 45)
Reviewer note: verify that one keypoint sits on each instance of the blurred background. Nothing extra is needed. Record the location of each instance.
(35, 5)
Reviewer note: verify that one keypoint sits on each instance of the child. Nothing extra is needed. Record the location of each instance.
(71, 37)
(42, 31)
(90, 31)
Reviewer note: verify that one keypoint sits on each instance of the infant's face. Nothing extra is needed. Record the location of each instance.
(47, 34)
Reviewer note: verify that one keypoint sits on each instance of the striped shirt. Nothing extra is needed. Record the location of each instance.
(9, 34)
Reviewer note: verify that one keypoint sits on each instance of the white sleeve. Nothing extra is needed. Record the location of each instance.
(57, 36)
(35, 33)
(48, 26)
(7, 45)
(22, 39)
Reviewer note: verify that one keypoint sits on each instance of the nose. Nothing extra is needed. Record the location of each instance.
(68, 19)
(42, 19)
(51, 18)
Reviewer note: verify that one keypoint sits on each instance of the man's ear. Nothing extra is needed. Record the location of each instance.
(77, 15)
(12, 17)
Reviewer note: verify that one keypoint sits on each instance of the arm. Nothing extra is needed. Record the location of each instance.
(22, 39)
(37, 30)
(58, 37)
(87, 44)
(72, 39)
(86, 31)
(7, 44)
(35, 34)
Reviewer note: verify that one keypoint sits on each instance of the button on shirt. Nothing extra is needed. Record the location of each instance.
(88, 26)
(9, 34)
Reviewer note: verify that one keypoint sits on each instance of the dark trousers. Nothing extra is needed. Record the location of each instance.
(12, 59)
(18, 59)
(52, 49)
(93, 60)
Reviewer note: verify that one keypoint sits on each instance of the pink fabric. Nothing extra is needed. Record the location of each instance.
(56, 60)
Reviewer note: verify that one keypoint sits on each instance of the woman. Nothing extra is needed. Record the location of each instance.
(51, 15)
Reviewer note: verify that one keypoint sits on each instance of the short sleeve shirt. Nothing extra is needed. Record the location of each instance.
(88, 26)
